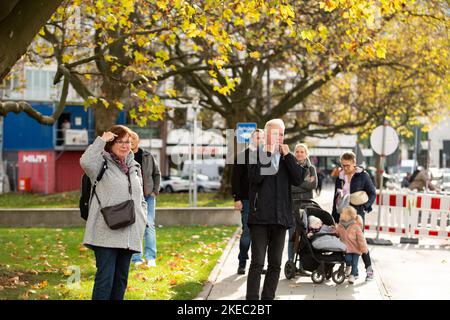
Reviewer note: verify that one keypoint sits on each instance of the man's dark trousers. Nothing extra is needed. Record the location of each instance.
(269, 237)
(244, 243)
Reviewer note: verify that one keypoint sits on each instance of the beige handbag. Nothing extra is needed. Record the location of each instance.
(359, 198)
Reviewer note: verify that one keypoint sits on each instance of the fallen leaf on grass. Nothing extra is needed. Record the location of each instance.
(14, 280)
(131, 289)
(173, 282)
(46, 264)
(40, 285)
(195, 236)
(67, 272)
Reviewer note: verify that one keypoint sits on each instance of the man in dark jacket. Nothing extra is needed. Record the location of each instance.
(151, 180)
(239, 188)
(272, 171)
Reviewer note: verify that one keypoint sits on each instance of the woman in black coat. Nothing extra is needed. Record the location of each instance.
(352, 179)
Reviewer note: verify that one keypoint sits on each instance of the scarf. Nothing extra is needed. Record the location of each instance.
(121, 162)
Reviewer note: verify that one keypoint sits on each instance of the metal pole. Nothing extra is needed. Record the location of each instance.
(381, 179)
(377, 240)
(269, 101)
(428, 163)
(190, 170)
(416, 128)
(194, 164)
(2, 172)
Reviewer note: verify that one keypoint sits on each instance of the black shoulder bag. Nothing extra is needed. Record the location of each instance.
(120, 215)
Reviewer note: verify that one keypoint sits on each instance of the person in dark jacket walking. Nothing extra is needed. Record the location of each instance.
(352, 179)
(151, 180)
(304, 192)
(239, 188)
(320, 178)
(272, 171)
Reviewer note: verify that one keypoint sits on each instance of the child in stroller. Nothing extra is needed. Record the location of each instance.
(318, 261)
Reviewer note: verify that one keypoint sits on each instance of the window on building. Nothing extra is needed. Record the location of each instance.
(39, 85)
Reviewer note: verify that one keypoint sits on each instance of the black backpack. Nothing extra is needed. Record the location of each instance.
(87, 190)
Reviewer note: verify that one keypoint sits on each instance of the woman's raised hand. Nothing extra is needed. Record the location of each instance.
(108, 136)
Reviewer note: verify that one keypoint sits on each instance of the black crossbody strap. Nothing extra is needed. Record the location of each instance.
(97, 180)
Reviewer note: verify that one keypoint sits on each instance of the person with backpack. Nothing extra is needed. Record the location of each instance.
(151, 178)
(117, 211)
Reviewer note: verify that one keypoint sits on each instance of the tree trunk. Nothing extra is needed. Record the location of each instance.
(104, 118)
(19, 27)
(225, 186)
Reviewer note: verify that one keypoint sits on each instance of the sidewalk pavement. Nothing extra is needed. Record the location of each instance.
(402, 271)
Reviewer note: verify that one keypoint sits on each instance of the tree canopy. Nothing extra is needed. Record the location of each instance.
(333, 65)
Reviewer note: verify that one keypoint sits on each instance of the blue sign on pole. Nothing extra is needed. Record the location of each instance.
(244, 131)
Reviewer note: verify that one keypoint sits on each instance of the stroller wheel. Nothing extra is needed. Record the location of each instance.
(338, 277)
(289, 269)
(317, 277)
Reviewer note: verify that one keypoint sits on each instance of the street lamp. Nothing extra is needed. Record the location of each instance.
(196, 107)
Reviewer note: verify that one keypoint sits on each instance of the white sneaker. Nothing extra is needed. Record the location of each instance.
(151, 263)
(351, 279)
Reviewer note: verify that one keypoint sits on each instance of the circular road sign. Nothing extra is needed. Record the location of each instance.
(390, 140)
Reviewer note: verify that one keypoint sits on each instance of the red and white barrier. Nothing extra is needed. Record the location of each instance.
(394, 214)
(411, 214)
(431, 211)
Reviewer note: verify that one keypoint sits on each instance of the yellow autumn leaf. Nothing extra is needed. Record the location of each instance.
(255, 55)
(119, 105)
(171, 92)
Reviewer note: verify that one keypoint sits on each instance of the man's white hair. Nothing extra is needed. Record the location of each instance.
(273, 122)
(254, 132)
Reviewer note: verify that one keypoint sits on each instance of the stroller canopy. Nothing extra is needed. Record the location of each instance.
(321, 214)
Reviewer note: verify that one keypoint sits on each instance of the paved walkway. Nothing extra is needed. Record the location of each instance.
(402, 271)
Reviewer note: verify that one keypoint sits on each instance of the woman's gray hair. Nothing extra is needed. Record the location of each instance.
(304, 146)
(272, 122)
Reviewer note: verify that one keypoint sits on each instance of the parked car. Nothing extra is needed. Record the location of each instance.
(181, 184)
(204, 184)
(445, 186)
(173, 184)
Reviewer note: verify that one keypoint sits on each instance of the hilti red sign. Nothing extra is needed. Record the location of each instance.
(34, 158)
(39, 167)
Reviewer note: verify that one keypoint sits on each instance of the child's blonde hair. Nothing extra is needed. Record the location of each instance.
(348, 213)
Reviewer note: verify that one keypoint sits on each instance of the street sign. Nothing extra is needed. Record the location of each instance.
(244, 131)
(390, 142)
(384, 141)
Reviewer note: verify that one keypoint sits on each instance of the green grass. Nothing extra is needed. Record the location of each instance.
(34, 263)
(70, 200)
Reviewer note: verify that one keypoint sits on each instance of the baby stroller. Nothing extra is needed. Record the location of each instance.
(319, 262)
